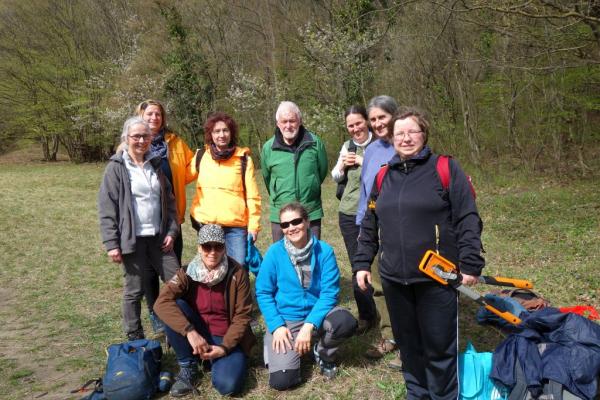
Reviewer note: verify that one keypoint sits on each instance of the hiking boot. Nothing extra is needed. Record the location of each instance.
(396, 362)
(184, 382)
(157, 325)
(328, 368)
(136, 335)
(365, 325)
(383, 347)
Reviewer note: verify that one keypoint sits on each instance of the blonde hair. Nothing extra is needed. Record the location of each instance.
(139, 110)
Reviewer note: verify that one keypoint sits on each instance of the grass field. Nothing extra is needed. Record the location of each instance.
(61, 297)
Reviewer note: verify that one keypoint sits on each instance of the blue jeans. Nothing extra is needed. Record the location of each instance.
(228, 372)
(235, 243)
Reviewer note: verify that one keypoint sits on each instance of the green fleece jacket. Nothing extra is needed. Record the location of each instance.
(294, 173)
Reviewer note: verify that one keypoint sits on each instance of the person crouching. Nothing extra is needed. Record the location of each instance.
(206, 310)
(297, 291)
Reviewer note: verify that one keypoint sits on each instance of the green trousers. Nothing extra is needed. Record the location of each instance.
(384, 323)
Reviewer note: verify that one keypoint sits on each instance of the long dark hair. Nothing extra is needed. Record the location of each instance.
(356, 109)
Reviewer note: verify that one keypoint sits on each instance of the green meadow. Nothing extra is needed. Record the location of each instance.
(61, 297)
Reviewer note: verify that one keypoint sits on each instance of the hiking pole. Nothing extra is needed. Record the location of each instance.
(445, 272)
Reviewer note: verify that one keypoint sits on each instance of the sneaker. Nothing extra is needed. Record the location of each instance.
(157, 325)
(136, 335)
(328, 368)
(184, 382)
(396, 362)
(383, 347)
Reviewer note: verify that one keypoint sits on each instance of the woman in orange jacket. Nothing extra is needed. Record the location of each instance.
(175, 159)
(226, 189)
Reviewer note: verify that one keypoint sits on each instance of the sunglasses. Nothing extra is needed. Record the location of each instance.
(213, 246)
(294, 222)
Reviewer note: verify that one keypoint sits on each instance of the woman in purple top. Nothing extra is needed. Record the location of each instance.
(380, 111)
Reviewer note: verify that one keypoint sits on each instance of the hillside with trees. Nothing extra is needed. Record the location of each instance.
(508, 82)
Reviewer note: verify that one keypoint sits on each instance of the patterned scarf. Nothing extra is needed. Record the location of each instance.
(220, 155)
(158, 147)
(299, 258)
(210, 277)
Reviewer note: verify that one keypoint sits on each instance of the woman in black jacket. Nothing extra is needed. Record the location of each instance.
(411, 213)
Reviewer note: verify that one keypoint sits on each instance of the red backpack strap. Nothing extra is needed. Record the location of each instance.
(380, 175)
(443, 170)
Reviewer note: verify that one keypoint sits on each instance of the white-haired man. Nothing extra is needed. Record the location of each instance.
(293, 165)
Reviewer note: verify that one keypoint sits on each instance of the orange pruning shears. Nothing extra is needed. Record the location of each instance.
(445, 272)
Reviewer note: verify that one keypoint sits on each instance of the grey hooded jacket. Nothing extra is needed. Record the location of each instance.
(115, 209)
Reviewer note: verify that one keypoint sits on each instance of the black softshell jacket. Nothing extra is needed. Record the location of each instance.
(410, 204)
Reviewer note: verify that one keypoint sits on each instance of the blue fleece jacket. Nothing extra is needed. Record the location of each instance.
(282, 298)
(377, 154)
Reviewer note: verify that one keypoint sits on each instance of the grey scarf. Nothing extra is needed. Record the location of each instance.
(299, 258)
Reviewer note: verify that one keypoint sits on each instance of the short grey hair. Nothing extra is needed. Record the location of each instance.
(288, 106)
(131, 122)
(386, 103)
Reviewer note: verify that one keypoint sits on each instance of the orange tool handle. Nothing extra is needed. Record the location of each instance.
(507, 316)
(511, 282)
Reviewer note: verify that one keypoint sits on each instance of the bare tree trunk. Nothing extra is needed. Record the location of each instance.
(54, 148)
(49, 147)
(468, 125)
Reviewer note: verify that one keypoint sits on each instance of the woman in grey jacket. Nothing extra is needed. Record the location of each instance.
(138, 220)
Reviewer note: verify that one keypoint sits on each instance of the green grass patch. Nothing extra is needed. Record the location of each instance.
(62, 298)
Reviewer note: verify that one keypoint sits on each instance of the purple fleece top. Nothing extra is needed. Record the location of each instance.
(378, 153)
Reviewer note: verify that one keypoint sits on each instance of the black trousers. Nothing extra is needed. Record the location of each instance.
(424, 320)
(153, 284)
(364, 300)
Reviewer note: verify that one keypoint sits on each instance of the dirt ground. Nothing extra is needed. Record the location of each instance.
(20, 354)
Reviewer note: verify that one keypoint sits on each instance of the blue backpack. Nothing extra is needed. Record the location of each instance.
(132, 370)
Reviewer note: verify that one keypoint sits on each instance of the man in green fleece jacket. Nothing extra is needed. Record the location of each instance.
(293, 165)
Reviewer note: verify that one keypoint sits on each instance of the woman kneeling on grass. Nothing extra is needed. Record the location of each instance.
(207, 315)
(138, 221)
(297, 291)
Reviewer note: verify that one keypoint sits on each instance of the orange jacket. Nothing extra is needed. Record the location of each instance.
(180, 157)
(220, 195)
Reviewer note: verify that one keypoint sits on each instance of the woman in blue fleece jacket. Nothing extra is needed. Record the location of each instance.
(297, 292)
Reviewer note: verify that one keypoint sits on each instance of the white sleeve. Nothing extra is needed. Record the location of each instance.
(337, 173)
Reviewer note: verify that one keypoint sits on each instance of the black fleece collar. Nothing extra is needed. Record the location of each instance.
(280, 144)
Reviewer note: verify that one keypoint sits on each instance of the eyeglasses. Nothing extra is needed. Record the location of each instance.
(208, 247)
(138, 138)
(412, 134)
(294, 222)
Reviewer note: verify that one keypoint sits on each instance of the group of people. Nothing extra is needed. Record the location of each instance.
(205, 309)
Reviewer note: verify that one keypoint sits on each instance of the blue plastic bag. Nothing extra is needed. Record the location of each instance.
(474, 376)
(253, 257)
